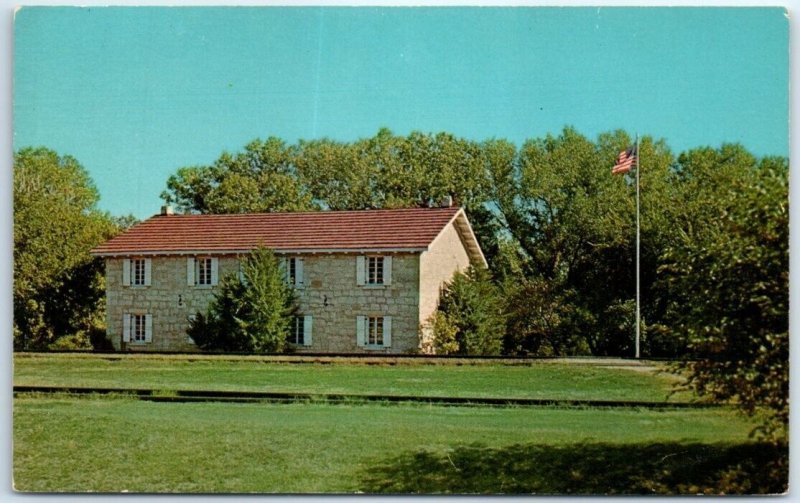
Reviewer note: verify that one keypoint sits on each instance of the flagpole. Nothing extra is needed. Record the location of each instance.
(638, 302)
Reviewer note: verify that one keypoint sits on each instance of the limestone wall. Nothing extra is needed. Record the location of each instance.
(330, 295)
(168, 299)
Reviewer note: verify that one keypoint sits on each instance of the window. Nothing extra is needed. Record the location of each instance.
(374, 270)
(204, 271)
(137, 328)
(300, 331)
(375, 331)
(296, 336)
(293, 269)
(136, 272)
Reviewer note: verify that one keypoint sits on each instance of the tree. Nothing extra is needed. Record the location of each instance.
(470, 319)
(262, 178)
(58, 286)
(573, 224)
(251, 314)
(541, 319)
(728, 274)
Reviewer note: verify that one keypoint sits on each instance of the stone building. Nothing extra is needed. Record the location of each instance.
(366, 281)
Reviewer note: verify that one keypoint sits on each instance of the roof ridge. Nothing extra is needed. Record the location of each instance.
(312, 212)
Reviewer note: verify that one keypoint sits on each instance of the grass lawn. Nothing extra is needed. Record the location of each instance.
(545, 379)
(119, 444)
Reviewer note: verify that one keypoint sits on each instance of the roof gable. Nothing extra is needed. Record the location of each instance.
(410, 229)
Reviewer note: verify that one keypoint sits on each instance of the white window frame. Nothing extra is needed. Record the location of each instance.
(196, 265)
(374, 271)
(136, 272)
(374, 335)
(137, 328)
(204, 266)
(374, 331)
(300, 331)
(293, 271)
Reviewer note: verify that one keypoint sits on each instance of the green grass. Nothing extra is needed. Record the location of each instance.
(548, 379)
(119, 444)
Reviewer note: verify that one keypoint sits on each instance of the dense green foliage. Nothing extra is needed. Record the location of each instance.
(59, 292)
(251, 312)
(470, 319)
(737, 261)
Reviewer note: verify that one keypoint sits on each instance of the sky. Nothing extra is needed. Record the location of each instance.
(135, 93)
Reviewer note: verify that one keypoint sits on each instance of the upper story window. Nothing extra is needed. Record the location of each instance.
(136, 272)
(204, 271)
(374, 270)
(293, 269)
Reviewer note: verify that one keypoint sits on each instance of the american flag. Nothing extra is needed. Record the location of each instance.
(625, 161)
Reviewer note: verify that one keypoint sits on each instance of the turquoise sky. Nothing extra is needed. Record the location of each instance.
(135, 93)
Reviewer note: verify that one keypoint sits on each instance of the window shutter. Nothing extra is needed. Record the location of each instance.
(299, 279)
(242, 279)
(283, 265)
(190, 271)
(214, 271)
(148, 328)
(148, 266)
(361, 328)
(126, 272)
(387, 331)
(126, 327)
(308, 321)
(361, 276)
(387, 270)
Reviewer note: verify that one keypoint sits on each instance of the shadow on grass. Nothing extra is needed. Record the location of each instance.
(671, 468)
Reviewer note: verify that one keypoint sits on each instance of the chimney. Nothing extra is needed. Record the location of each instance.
(446, 202)
(167, 210)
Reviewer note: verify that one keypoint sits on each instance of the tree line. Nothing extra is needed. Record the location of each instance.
(556, 227)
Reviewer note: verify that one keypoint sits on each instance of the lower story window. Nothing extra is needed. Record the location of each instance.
(137, 328)
(300, 330)
(375, 331)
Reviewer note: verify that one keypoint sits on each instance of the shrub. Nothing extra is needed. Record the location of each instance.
(470, 319)
(252, 313)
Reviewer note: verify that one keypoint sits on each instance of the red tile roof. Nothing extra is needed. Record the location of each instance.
(402, 230)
